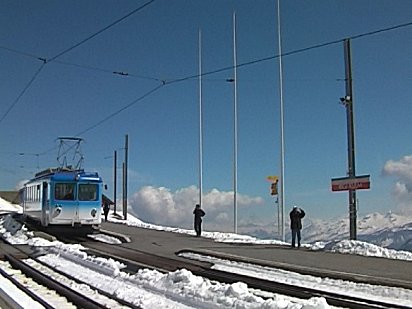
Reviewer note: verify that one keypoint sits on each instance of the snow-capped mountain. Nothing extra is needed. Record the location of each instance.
(392, 230)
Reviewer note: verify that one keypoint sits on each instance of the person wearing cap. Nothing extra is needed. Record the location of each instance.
(199, 213)
(296, 216)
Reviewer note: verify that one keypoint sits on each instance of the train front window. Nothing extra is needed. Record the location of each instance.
(64, 191)
(88, 192)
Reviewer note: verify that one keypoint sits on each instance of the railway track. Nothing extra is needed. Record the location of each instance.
(49, 287)
(73, 297)
(135, 259)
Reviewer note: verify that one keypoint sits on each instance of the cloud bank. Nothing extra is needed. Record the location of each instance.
(402, 171)
(160, 205)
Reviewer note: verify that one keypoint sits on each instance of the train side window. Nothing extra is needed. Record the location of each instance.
(64, 191)
(88, 192)
(37, 193)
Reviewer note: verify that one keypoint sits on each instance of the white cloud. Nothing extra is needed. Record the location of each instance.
(160, 205)
(402, 171)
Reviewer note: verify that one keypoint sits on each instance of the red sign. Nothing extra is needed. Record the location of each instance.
(351, 183)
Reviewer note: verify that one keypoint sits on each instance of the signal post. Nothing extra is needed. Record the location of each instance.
(352, 182)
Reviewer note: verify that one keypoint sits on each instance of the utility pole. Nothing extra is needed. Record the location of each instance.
(200, 124)
(115, 180)
(126, 150)
(123, 189)
(347, 101)
(351, 183)
(235, 135)
(281, 199)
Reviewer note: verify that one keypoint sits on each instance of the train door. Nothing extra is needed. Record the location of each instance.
(45, 204)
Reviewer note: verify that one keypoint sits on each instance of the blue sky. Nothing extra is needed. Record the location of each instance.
(77, 90)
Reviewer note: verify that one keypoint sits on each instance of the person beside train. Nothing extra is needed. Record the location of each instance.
(199, 213)
(106, 208)
(296, 216)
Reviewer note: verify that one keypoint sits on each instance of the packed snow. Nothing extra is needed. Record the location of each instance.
(181, 289)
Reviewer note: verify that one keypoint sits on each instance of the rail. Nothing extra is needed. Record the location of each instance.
(135, 259)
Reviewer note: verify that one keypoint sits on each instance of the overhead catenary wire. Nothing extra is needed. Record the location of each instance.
(110, 116)
(178, 80)
(45, 61)
(22, 53)
(122, 73)
(27, 54)
(82, 66)
(121, 109)
(101, 30)
(294, 52)
(22, 92)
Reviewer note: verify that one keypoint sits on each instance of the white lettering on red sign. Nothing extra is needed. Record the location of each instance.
(345, 184)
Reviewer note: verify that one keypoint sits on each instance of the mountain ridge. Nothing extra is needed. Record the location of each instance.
(392, 231)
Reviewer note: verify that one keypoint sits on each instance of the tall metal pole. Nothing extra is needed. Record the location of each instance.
(115, 181)
(126, 154)
(123, 186)
(282, 138)
(200, 123)
(235, 127)
(348, 102)
(279, 227)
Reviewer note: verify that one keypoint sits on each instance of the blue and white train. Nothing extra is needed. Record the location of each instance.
(63, 197)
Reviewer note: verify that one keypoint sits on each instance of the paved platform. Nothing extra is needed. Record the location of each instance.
(350, 267)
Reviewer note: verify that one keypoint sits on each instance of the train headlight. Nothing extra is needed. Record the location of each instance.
(93, 212)
(57, 210)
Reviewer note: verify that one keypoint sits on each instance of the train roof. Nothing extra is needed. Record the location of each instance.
(67, 174)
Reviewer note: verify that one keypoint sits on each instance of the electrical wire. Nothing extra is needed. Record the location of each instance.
(22, 53)
(22, 92)
(82, 66)
(294, 52)
(45, 61)
(164, 83)
(107, 71)
(358, 36)
(101, 31)
(121, 109)
(109, 116)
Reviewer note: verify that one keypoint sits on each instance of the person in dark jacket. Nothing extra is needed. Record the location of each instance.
(106, 208)
(296, 216)
(199, 213)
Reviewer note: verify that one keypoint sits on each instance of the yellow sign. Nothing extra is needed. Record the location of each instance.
(272, 178)
(274, 186)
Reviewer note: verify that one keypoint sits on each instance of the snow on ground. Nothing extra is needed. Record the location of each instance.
(182, 289)
(366, 291)
(6, 207)
(150, 288)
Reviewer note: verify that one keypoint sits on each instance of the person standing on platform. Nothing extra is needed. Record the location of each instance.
(296, 216)
(106, 208)
(199, 213)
